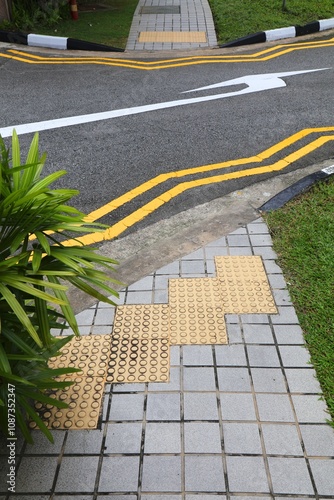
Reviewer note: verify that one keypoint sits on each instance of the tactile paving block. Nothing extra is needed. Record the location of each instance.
(244, 285)
(84, 400)
(90, 353)
(138, 360)
(140, 344)
(196, 312)
(172, 37)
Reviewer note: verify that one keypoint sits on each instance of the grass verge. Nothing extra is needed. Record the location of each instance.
(237, 18)
(303, 236)
(109, 26)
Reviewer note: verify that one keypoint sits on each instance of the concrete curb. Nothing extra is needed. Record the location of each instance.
(54, 42)
(279, 34)
(295, 189)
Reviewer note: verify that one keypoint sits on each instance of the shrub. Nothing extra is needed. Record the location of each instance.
(35, 271)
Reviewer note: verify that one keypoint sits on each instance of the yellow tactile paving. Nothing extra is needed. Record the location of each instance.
(138, 348)
(196, 313)
(84, 400)
(172, 37)
(139, 360)
(140, 344)
(244, 285)
(90, 353)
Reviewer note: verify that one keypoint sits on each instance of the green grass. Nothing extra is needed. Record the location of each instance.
(303, 236)
(110, 27)
(237, 18)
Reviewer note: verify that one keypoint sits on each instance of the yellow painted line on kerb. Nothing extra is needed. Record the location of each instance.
(260, 56)
(118, 228)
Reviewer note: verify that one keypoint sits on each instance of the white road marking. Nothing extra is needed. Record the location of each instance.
(255, 83)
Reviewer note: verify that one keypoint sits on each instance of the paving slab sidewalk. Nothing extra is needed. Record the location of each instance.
(238, 421)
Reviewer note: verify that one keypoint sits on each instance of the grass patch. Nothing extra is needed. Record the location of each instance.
(109, 27)
(237, 18)
(303, 236)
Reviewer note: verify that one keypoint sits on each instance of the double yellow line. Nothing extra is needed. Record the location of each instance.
(260, 56)
(325, 134)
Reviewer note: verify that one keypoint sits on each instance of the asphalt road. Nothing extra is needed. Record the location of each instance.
(106, 159)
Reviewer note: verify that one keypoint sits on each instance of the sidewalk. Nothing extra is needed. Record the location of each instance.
(172, 24)
(237, 421)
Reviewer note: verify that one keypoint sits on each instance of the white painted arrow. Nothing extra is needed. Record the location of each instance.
(255, 83)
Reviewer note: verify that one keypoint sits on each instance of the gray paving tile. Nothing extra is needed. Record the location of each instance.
(323, 473)
(174, 353)
(230, 355)
(318, 440)
(85, 317)
(41, 444)
(289, 334)
(263, 356)
(197, 355)
(143, 284)
(234, 334)
(139, 297)
(303, 380)
(282, 297)
(240, 251)
(295, 356)
(162, 437)
(274, 408)
(242, 438)
(265, 252)
(202, 437)
(237, 406)
(161, 473)
(172, 268)
(192, 266)
(286, 315)
(204, 473)
(199, 379)
(310, 408)
(84, 442)
(127, 407)
(257, 228)
(290, 476)
(268, 380)
(123, 438)
(35, 474)
(70, 481)
(276, 281)
(163, 406)
(232, 379)
(261, 240)
(254, 319)
(281, 439)
(104, 316)
(252, 479)
(211, 252)
(258, 334)
(119, 474)
(200, 406)
(238, 240)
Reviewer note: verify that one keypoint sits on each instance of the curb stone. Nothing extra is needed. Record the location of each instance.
(280, 33)
(296, 189)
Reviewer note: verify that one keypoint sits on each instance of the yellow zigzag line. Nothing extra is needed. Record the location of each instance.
(261, 56)
(155, 203)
